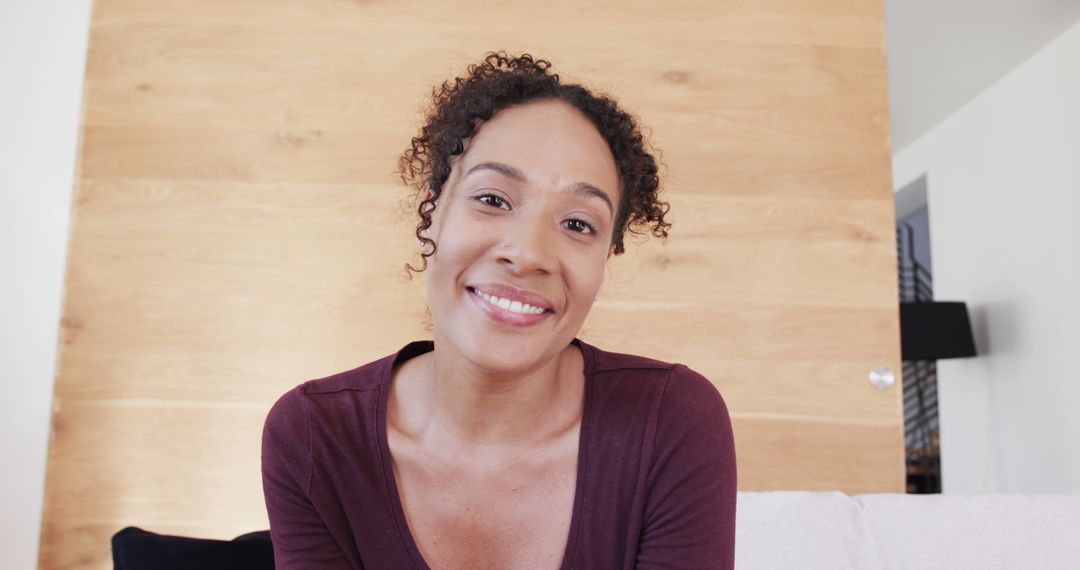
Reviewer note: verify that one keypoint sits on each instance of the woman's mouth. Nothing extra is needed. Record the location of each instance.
(506, 311)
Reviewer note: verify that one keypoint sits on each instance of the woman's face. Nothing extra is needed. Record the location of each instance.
(540, 178)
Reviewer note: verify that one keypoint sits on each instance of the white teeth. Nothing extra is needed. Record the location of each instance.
(512, 306)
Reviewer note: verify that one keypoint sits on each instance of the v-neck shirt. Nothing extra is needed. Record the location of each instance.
(655, 485)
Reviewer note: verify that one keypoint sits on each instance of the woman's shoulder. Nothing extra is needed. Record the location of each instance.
(690, 393)
(685, 418)
(362, 378)
(679, 391)
(308, 397)
(611, 361)
(671, 376)
(359, 379)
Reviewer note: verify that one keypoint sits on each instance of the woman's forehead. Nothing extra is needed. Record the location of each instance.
(543, 142)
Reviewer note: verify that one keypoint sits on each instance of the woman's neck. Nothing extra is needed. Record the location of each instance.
(452, 404)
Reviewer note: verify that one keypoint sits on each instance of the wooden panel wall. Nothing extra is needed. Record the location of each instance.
(238, 230)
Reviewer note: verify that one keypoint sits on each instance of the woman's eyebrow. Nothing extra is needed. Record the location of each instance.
(506, 170)
(513, 173)
(586, 189)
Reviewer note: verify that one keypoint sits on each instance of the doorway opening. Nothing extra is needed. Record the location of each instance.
(921, 425)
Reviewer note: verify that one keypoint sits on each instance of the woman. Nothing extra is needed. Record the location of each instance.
(507, 442)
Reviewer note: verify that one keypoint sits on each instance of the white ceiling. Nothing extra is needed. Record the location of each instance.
(942, 53)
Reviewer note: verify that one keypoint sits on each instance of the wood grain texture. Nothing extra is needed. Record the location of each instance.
(238, 229)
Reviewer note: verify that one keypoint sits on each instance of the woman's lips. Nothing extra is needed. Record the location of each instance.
(504, 315)
(506, 291)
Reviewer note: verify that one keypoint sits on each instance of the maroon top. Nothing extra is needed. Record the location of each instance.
(655, 484)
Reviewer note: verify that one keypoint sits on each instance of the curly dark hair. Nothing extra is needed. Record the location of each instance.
(501, 81)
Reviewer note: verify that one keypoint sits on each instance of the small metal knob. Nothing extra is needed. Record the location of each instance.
(882, 377)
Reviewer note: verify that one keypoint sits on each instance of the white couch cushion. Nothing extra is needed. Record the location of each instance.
(988, 532)
(802, 530)
(892, 531)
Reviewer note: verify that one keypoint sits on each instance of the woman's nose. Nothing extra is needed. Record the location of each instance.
(530, 247)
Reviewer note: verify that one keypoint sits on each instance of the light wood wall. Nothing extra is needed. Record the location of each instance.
(238, 230)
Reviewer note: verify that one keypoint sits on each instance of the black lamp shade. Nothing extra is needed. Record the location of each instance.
(932, 330)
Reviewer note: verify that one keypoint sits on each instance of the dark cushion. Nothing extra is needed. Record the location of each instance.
(136, 549)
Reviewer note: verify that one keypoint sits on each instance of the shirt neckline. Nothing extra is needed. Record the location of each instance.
(416, 348)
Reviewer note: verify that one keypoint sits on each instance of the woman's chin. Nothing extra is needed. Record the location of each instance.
(501, 352)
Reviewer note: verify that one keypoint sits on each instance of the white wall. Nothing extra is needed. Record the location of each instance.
(942, 54)
(1003, 188)
(42, 57)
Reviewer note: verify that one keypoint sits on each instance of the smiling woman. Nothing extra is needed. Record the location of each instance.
(507, 442)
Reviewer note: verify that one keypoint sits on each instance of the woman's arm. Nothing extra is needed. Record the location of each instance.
(300, 537)
(689, 520)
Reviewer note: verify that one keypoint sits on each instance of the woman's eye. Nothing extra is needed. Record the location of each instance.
(491, 200)
(581, 226)
(575, 224)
